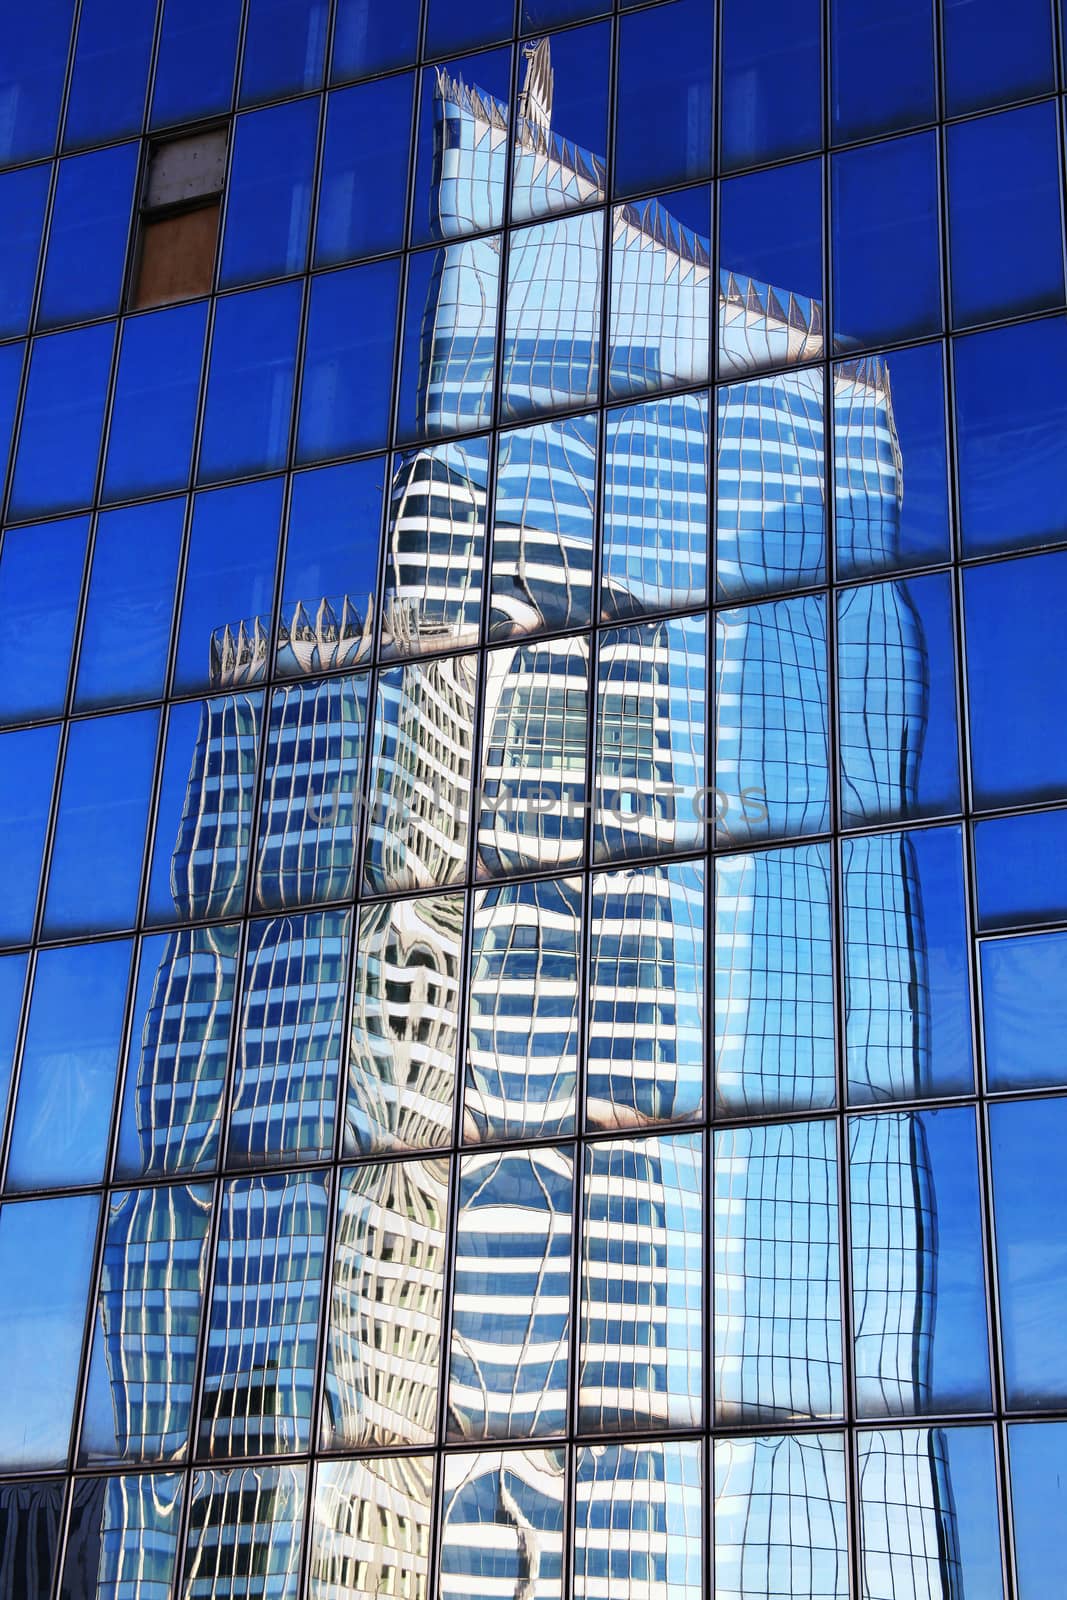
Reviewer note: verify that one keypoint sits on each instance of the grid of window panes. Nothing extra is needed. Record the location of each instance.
(534, 801)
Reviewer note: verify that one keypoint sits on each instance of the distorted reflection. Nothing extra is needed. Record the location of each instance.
(522, 1044)
(512, 1295)
(244, 1534)
(642, 1285)
(30, 1515)
(502, 1525)
(405, 1024)
(646, 997)
(638, 1523)
(781, 1518)
(370, 1529)
(383, 1348)
(123, 1538)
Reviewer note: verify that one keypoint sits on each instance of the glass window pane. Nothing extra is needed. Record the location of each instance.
(12, 984)
(569, 126)
(489, 1502)
(126, 630)
(883, 67)
(642, 1350)
(331, 567)
(283, 48)
(1021, 868)
(455, 25)
(95, 877)
(40, 583)
(638, 1521)
(404, 1025)
(11, 356)
(781, 1517)
(123, 1532)
(363, 188)
(368, 39)
(1024, 1010)
(449, 340)
(660, 325)
(23, 196)
(269, 200)
(87, 235)
(522, 1027)
(435, 548)
(140, 1389)
(537, 14)
(69, 1060)
(244, 1520)
(46, 1261)
(387, 1294)
(771, 80)
(907, 1006)
(348, 362)
(992, 55)
(1038, 1455)
(651, 738)
(250, 382)
(1011, 430)
(153, 415)
(1030, 1194)
(27, 768)
(511, 1297)
(463, 107)
(1014, 615)
(30, 1519)
(772, 765)
(195, 62)
(543, 527)
(663, 115)
(778, 1310)
(1005, 235)
(114, 46)
(388, 1500)
(770, 268)
(224, 635)
(420, 790)
(774, 983)
(65, 398)
(552, 322)
(263, 1329)
(31, 78)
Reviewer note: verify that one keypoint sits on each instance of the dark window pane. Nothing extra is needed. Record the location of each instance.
(27, 767)
(269, 203)
(1005, 232)
(537, 14)
(65, 399)
(1024, 1010)
(1021, 867)
(771, 80)
(96, 854)
(250, 382)
(1038, 1455)
(10, 371)
(176, 259)
(123, 653)
(194, 68)
(88, 235)
(348, 362)
(883, 67)
(457, 25)
(1030, 1198)
(283, 48)
(995, 53)
(663, 110)
(1017, 678)
(153, 414)
(1011, 429)
(363, 190)
(770, 267)
(331, 556)
(369, 37)
(32, 69)
(113, 48)
(22, 201)
(40, 581)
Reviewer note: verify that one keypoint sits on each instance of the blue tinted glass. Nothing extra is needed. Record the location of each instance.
(69, 1061)
(883, 67)
(1017, 678)
(554, 269)
(579, 63)
(1038, 1455)
(283, 49)
(907, 991)
(1021, 867)
(331, 555)
(886, 268)
(119, 1524)
(113, 48)
(153, 414)
(663, 114)
(27, 765)
(103, 806)
(12, 984)
(643, 354)
(46, 1261)
(888, 514)
(771, 80)
(770, 232)
(1005, 235)
(1030, 1201)
(32, 69)
(250, 382)
(457, 25)
(995, 52)
(123, 652)
(445, 209)
(65, 399)
(369, 37)
(10, 371)
(1011, 431)
(87, 235)
(460, 286)
(1024, 1010)
(348, 362)
(535, 14)
(194, 68)
(229, 576)
(269, 201)
(363, 190)
(22, 202)
(40, 581)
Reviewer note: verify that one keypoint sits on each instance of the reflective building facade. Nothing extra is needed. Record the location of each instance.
(535, 807)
